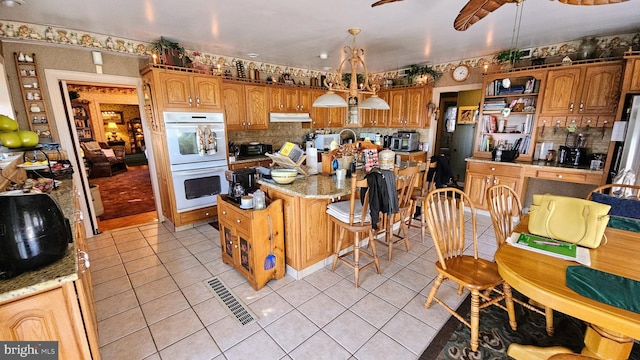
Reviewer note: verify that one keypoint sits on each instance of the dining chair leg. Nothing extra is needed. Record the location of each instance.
(508, 299)
(336, 254)
(374, 251)
(475, 319)
(548, 314)
(423, 223)
(434, 290)
(356, 256)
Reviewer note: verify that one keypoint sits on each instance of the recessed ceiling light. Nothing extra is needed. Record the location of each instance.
(253, 55)
(12, 3)
(323, 56)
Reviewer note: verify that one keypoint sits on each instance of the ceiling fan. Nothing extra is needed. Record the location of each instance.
(475, 10)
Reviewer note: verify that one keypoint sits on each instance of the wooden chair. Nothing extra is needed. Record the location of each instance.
(353, 216)
(405, 181)
(608, 189)
(418, 196)
(445, 209)
(504, 207)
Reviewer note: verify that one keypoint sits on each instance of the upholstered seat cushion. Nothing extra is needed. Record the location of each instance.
(624, 213)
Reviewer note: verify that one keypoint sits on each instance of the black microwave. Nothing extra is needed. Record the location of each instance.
(255, 149)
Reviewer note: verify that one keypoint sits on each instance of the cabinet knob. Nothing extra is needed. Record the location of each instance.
(190, 101)
(84, 258)
(281, 106)
(197, 101)
(493, 169)
(224, 212)
(559, 176)
(206, 214)
(581, 106)
(571, 107)
(238, 221)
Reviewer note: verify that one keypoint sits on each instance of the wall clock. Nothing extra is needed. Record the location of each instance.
(461, 72)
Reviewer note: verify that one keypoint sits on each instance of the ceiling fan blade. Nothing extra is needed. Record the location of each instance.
(591, 2)
(382, 2)
(474, 11)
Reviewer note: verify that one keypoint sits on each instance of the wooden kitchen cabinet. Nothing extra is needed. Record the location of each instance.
(375, 118)
(632, 74)
(289, 99)
(244, 165)
(64, 313)
(582, 90)
(247, 237)
(407, 107)
(187, 91)
(245, 106)
(308, 235)
(481, 176)
(326, 117)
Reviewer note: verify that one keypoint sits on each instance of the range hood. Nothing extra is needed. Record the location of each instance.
(289, 117)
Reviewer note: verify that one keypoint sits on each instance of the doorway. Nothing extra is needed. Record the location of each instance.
(61, 105)
(453, 140)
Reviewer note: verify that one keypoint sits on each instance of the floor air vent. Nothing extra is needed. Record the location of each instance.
(235, 307)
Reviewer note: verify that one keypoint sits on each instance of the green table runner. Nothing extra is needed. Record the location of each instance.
(608, 288)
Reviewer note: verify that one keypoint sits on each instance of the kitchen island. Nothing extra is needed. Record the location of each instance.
(308, 231)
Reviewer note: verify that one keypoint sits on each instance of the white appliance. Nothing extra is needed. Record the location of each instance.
(626, 153)
(289, 117)
(197, 150)
(323, 141)
(198, 186)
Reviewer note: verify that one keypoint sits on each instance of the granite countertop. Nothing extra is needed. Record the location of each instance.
(314, 186)
(53, 275)
(540, 164)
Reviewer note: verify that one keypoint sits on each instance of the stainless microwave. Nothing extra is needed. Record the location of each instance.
(405, 141)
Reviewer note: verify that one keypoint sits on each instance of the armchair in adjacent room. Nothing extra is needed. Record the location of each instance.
(102, 160)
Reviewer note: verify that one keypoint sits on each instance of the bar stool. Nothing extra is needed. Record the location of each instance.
(418, 197)
(353, 216)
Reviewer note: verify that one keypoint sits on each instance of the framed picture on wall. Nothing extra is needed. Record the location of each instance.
(112, 116)
(467, 114)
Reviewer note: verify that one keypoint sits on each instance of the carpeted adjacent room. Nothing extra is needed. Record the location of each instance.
(127, 193)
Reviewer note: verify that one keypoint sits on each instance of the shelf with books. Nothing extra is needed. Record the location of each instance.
(508, 114)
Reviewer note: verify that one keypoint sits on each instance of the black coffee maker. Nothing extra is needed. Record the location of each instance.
(574, 151)
(241, 182)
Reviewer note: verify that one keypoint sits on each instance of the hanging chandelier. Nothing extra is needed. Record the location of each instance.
(334, 82)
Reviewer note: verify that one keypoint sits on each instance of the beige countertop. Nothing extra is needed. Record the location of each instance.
(249, 159)
(314, 186)
(537, 164)
(53, 275)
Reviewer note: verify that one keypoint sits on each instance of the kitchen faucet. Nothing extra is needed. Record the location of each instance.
(355, 136)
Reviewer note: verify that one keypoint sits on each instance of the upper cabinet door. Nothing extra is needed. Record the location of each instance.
(304, 100)
(234, 106)
(415, 108)
(175, 89)
(206, 93)
(561, 92)
(397, 108)
(601, 90)
(276, 99)
(257, 107)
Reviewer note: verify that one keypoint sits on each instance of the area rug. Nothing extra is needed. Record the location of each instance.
(136, 159)
(127, 193)
(452, 342)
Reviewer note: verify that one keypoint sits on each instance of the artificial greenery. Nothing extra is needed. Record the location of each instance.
(417, 70)
(164, 48)
(508, 56)
(346, 78)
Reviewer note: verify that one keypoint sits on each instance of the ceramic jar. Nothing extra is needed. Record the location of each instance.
(587, 49)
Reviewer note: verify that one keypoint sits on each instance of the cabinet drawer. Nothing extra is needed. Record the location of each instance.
(562, 176)
(236, 216)
(207, 213)
(494, 169)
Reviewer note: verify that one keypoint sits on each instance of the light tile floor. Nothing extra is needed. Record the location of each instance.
(152, 302)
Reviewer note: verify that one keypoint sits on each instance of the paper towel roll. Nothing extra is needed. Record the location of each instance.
(312, 160)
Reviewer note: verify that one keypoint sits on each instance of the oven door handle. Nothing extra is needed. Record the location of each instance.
(198, 171)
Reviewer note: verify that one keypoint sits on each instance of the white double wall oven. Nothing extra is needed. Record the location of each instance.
(197, 149)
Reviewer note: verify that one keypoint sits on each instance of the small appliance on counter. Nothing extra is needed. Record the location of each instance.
(323, 141)
(405, 141)
(34, 233)
(255, 149)
(241, 182)
(572, 156)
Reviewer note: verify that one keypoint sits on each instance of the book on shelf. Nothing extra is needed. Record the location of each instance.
(489, 123)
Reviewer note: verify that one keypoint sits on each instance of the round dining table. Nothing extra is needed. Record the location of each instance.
(542, 278)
